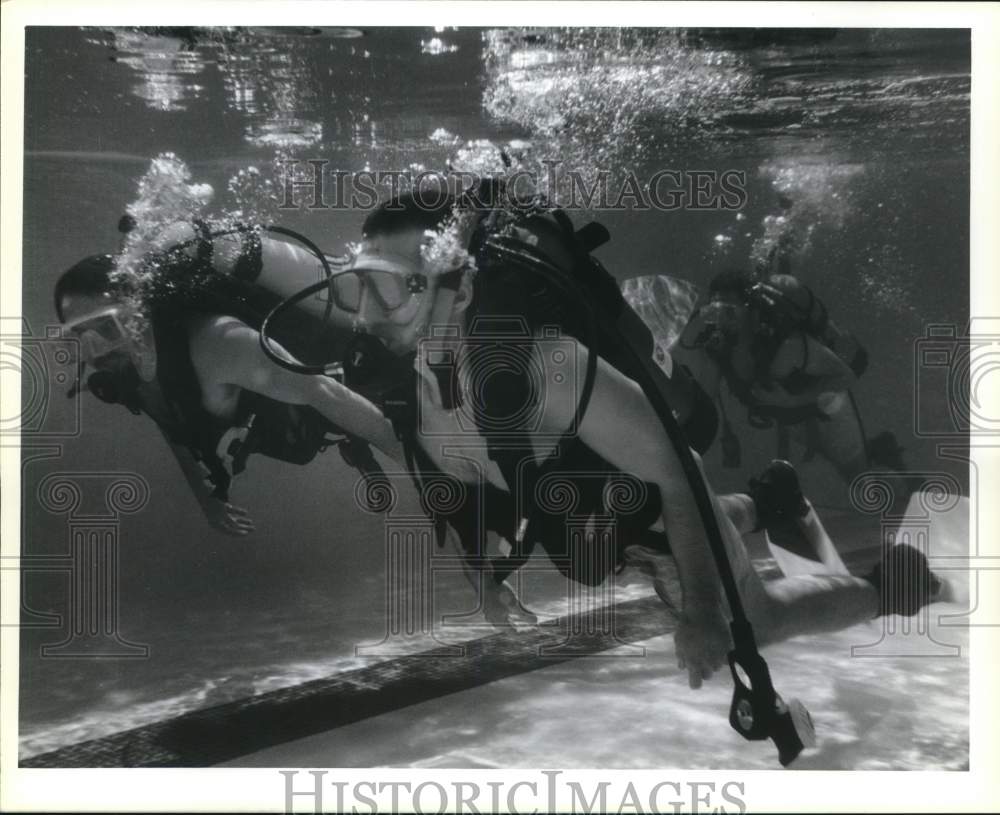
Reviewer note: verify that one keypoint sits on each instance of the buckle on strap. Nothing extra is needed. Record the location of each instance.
(235, 447)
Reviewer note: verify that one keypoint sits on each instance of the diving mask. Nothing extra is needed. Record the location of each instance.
(390, 283)
(395, 268)
(106, 332)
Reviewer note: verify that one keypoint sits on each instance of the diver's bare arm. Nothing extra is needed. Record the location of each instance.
(227, 352)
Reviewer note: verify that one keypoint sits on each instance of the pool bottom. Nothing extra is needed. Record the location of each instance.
(620, 711)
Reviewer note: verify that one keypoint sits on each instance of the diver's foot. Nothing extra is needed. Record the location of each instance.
(657, 565)
(777, 496)
(905, 583)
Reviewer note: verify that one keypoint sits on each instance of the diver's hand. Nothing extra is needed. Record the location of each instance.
(503, 607)
(227, 518)
(702, 643)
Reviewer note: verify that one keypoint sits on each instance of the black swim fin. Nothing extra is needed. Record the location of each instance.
(794, 536)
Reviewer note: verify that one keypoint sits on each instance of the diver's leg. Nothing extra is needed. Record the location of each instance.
(815, 533)
(886, 454)
(739, 508)
(843, 443)
(650, 552)
(804, 603)
(791, 606)
(795, 533)
(842, 438)
(901, 583)
(783, 445)
(742, 511)
(814, 603)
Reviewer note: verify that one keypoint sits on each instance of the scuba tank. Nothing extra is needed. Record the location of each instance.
(267, 265)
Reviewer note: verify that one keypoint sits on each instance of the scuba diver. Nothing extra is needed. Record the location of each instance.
(188, 356)
(773, 343)
(445, 343)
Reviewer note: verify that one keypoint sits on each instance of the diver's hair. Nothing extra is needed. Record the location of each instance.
(419, 209)
(732, 281)
(91, 276)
